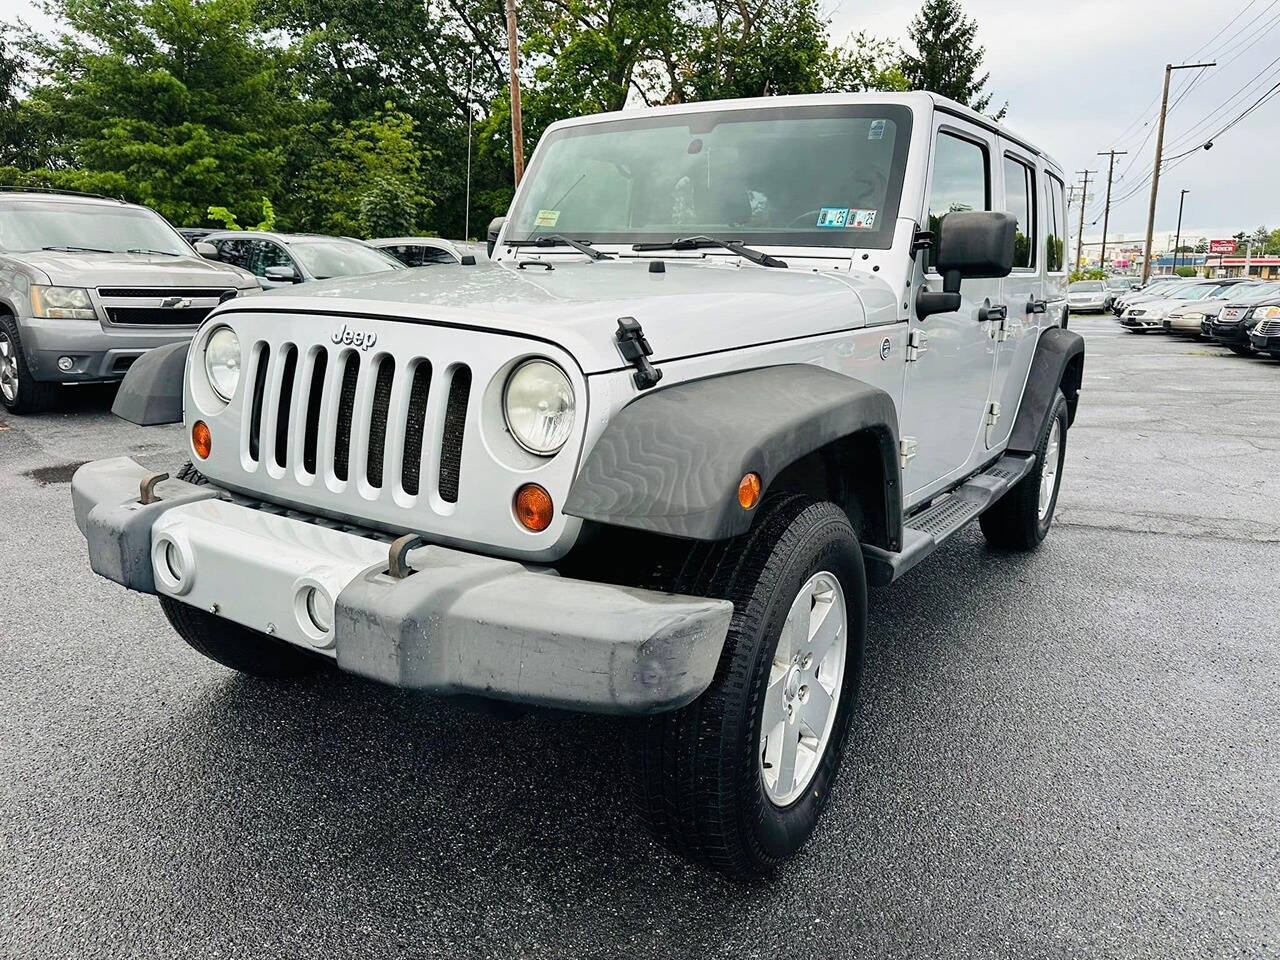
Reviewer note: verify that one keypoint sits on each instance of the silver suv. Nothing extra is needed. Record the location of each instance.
(87, 285)
(732, 362)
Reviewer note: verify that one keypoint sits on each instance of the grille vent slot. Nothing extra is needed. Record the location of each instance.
(455, 420)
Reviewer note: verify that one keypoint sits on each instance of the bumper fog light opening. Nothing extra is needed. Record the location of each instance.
(173, 565)
(313, 610)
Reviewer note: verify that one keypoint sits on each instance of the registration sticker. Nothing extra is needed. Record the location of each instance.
(833, 216)
(547, 218)
(862, 219)
(877, 130)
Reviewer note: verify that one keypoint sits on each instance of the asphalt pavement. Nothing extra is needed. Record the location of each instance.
(1074, 753)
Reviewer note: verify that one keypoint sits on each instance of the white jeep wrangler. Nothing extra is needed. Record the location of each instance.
(730, 362)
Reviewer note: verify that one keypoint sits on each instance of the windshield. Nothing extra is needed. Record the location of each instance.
(102, 227)
(340, 258)
(1118, 283)
(812, 176)
(1253, 291)
(1085, 286)
(1193, 293)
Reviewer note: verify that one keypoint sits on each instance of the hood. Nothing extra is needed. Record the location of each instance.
(1210, 307)
(131, 270)
(694, 307)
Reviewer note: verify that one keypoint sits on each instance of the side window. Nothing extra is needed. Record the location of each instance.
(961, 179)
(234, 252)
(1020, 200)
(266, 254)
(436, 255)
(1055, 212)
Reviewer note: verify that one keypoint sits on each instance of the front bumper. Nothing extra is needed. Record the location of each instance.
(1148, 322)
(1265, 344)
(1083, 306)
(1176, 324)
(1230, 333)
(97, 352)
(460, 624)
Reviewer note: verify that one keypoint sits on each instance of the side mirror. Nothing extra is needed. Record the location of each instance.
(970, 244)
(282, 274)
(491, 235)
(206, 249)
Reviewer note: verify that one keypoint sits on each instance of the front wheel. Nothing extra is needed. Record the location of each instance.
(1239, 350)
(236, 646)
(20, 391)
(1020, 519)
(737, 779)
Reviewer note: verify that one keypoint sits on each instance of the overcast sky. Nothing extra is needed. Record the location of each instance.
(1085, 76)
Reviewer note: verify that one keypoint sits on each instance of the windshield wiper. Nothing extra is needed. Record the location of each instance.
(66, 248)
(558, 240)
(163, 253)
(695, 243)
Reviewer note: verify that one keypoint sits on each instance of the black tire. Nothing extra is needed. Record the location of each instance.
(1240, 351)
(1013, 522)
(32, 396)
(237, 647)
(695, 772)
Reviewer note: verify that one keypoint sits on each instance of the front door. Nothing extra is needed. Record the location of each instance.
(949, 381)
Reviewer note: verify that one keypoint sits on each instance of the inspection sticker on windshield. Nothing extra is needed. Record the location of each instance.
(833, 216)
(877, 130)
(862, 219)
(547, 218)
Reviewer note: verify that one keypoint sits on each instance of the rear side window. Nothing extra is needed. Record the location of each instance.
(961, 179)
(1020, 200)
(418, 255)
(1055, 225)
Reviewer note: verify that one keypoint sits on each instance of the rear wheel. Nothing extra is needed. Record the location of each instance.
(737, 779)
(238, 647)
(1020, 519)
(20, 391)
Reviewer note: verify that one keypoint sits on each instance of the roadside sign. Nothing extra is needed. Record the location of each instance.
(1222, 246)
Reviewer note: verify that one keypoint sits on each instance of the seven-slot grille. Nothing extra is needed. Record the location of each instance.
(161, 306)
(1268, 328)
(380, 421)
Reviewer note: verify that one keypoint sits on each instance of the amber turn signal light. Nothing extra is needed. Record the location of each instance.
(749, 491)
(201, 439)
(533, 507)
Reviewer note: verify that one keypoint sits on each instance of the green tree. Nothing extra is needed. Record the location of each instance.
(177, 98)
(947, 56)
(863, 63)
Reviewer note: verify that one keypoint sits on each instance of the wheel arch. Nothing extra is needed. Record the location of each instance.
(670, 462)
(1058, 364)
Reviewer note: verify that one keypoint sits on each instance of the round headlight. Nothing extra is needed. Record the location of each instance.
(538, 406)
(222, 361)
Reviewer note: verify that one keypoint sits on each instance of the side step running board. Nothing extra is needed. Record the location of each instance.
(927, 530)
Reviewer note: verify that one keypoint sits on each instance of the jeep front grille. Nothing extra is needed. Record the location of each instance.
(363, 418)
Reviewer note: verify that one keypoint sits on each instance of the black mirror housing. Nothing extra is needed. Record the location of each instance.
(491, 235)
(974, 244)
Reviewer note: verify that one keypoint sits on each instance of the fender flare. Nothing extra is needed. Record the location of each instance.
(151, 392)
(1058, 362)
(671, 460)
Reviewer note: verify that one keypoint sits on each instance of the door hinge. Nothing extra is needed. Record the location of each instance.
(907, 449)
(993, 413)
(917, 343)
(635, 349)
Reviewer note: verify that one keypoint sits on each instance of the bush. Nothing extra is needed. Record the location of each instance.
(1185, 271)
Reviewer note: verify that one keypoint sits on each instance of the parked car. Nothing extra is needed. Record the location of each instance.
(87, 285)
(194, 234)
(1192, 319)
(425, 251)
(1149, 314)
(1153, 290)
(647, 461)
(1234, 325)
(1117, 285)
(1087, 296)
(1265, 335)
(283, 259)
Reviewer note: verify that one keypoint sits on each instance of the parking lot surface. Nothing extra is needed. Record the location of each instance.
(1072, 753)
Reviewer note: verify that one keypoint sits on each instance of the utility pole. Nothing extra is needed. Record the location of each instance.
(1084, 197)
(517, 126)
(1155, 173)
(1177, 237)
(1106, 210)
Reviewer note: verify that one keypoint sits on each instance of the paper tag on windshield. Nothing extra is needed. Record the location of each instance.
(547, 218)
(877, 130)
(862, 219)
(833, 216)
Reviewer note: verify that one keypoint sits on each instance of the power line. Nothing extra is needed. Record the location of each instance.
(1254, 106)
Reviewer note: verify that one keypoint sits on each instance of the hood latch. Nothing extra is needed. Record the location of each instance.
(635, 349)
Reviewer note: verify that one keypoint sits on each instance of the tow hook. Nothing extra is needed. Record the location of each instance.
(147, 487)
(635, 349)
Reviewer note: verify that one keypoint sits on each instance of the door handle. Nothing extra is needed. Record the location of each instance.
(1037, 306)
(990, 311)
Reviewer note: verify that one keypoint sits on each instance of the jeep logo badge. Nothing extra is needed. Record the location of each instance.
(354, 338)
(177, 303)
